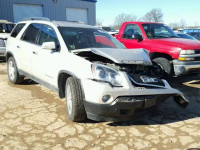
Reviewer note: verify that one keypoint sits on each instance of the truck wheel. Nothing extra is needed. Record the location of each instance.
(13, 73)
(165, 66)
(74, 100)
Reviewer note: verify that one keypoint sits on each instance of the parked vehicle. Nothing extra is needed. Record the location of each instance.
(110, 30)
(185, 36)
(189, 30)
(99, 78)
(5, 29)
(195, 35)
(173, 54)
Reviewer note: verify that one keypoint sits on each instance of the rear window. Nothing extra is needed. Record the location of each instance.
(17, 29)
(31, 33)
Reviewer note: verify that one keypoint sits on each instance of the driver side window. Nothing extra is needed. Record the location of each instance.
(48, 34)
(130, 30)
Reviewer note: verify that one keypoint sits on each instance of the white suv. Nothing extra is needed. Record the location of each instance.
(99, 78)
(5, 29)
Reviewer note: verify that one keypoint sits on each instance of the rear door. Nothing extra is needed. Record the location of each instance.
(27, 46)
(128, 36)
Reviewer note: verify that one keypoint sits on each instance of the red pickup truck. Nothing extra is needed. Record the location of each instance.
(173, 54)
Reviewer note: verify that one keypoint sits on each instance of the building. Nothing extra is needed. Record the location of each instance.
(71, 10)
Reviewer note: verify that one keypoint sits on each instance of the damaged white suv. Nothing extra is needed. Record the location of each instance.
(100, 79)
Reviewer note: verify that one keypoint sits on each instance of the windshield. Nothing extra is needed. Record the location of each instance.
(6, 28)
(157, 31)
(80, 38)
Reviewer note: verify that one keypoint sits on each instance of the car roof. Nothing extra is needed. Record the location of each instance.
(61, 23)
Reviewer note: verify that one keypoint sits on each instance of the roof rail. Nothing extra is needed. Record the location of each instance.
(37, 18)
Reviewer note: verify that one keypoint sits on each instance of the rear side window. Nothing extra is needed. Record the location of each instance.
(31, 33)
(17, 29)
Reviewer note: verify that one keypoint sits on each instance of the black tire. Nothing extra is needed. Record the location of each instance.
(77, 112)
(166, 67)
(13, 73)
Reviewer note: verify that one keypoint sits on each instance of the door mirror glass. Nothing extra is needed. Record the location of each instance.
(49, 45)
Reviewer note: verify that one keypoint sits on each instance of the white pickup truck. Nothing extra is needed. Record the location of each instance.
(5, 29)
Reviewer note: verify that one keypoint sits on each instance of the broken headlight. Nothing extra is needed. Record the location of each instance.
(106, 74)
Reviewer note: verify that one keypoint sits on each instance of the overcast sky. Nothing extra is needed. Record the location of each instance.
(173, 10)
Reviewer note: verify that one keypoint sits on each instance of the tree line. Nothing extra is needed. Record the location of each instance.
(154, 15)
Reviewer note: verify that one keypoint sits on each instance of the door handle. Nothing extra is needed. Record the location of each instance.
(35, 53)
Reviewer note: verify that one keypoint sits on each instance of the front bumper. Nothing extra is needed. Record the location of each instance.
(124, 108)
(186, 67)
(124, 101)
(2, 52)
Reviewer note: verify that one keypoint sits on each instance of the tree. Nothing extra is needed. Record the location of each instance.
(121, 18)
(182, 23)
(154, 15)
(174, 25)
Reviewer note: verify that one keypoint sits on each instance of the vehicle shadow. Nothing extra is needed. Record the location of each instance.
(169, 112)
(28, 82)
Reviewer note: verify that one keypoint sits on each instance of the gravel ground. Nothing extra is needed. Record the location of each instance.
(33, 117)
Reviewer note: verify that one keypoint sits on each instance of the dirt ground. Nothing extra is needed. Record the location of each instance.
(33, 117)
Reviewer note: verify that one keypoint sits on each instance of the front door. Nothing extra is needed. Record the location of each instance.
(128, 37)
(45, 61)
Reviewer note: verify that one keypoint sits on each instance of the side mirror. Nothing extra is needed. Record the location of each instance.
(49, 45)
(137, 36)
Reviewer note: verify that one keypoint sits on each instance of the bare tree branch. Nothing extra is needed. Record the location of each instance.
(121, 18)
(155, 15)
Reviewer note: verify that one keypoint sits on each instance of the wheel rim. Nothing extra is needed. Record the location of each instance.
(69, 100)
(11, 70)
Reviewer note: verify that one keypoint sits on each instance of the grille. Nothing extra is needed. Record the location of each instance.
(137, 81)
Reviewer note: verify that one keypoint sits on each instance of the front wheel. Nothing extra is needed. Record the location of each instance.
(13, 73)
(164, 69)
(74, 100)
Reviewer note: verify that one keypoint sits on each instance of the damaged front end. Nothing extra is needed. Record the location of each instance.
(132, 80)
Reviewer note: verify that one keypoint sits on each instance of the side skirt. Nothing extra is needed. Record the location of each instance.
(49, 86)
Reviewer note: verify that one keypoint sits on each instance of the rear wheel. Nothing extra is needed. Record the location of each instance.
(164, 69)
(74, 100)
(13, 73)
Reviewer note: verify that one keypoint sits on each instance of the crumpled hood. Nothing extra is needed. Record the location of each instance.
(4, 35)
(122, 56)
